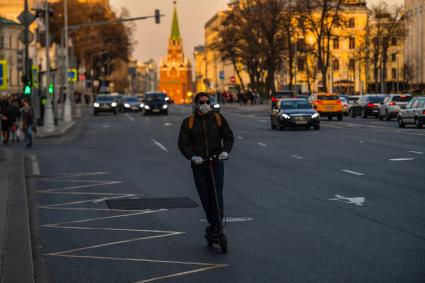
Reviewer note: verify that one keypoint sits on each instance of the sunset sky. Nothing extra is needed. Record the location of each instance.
(193, 14)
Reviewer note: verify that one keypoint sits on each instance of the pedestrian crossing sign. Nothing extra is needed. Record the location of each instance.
(4, 71)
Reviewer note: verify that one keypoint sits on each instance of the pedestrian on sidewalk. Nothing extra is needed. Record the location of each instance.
(4, 118)
(27, 123)
(14, 117)
(205, 135)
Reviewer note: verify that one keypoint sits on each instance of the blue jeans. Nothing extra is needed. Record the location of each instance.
(204, 185)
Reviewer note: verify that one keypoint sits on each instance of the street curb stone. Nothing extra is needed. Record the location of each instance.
(60, 131)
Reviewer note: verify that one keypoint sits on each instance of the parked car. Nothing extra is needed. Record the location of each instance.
(367, 105)
(327, 105)
(414, 113)
(155, 102)
(104, 103)
(294, 112)
(131, 103)
(392, 104)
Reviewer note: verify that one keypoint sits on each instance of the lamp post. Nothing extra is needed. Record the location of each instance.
(49, 125)
(67, 115)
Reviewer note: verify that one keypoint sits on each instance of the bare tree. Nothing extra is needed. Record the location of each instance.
(320, 18)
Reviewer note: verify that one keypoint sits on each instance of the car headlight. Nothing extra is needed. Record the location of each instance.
(113, 104)
(167, 98)
(96, 104)
(315, 115)
(127, 105)
(216, 106)
(142, 105)
(286, 116)
(147, 107)
(165, 106)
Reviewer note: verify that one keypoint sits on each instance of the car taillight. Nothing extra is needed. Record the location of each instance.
(274, 99)
(423, 112)
(371, 104)
(392, 103)
(339, 101)
(318, 102)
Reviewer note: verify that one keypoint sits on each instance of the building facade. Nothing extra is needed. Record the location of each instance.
(11, 56)
(415, 43)
(175, 69)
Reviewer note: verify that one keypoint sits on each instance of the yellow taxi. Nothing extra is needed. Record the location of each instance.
(327, 105)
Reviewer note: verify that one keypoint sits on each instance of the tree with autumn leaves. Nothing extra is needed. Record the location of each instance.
(101, 48)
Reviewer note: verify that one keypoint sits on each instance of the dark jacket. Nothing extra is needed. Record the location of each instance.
(206, 139)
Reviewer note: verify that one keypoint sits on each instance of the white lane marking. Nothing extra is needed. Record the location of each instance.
(80, 187)
(168, 124)
(297, 156)
(129, 117)
(105, 126)
(354, 200)
(353, 172)
(401, 159)
(229, 219)
(416, 152)
(262, 144)
(35, 167)
(262, 121)
(239, 138)
(161, 146)
(251, 115)
(362, 142)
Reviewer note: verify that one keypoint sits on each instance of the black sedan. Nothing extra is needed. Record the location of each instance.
(155, 102)
(294, 113)
(367, 105)
(104, 103)
(131, 103)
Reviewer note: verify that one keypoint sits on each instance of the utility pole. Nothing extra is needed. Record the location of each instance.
(49, 124)
(67, 115)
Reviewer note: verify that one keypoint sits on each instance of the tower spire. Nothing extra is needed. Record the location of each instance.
(175, 30)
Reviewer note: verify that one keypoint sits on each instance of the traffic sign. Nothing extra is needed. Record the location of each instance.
(232, 79)
(4, 70)
(221, 75)
(31, 37)
(26, 18)
(72, 75)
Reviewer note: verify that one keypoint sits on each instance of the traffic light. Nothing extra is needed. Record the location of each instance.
(27, 87)
(157, 16)
(51, 89)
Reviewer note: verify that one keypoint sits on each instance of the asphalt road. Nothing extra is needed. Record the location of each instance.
(343, 204)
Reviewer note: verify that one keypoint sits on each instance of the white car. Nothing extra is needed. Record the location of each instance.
(390, 107)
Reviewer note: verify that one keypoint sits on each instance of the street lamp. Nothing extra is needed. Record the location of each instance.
(49, 124)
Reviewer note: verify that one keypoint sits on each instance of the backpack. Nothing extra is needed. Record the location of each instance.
(217, 119)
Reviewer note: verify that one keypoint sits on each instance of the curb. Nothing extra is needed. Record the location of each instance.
(59, 132)
(18, 263)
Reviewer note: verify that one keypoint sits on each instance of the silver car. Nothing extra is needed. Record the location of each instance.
(392, 104)
(413, 114)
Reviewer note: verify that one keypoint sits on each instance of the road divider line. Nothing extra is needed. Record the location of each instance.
(239, 138)
(297, 156)
(168, 124)
(262, 144)
(416, 152)
(161, 146)
(129, 117)
(35, 167)
(401, 159)
(352, 172)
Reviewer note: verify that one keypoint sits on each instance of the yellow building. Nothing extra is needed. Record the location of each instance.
(200, 68)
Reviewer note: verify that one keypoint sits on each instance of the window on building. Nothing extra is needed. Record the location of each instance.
(394, 73)
(336, 43)
(352, 64)
(1, 41)
(336, 65)
(394, 57)
(352, 43)
(351, 22)
(394, 41)
(301, 64)
(10, 42)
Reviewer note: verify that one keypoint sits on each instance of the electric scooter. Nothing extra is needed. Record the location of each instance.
(216, 237)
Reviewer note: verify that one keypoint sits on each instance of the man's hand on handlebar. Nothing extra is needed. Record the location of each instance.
(223, 156)
(197, 160)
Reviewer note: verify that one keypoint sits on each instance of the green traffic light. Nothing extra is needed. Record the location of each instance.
(27, 89)
(51, 89)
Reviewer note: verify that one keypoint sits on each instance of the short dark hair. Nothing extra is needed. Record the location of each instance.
(199, 95)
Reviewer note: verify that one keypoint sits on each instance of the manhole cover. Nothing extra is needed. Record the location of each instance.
(151, 203)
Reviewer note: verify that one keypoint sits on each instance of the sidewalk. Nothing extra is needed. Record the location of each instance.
(61, 129)
(16, 264)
